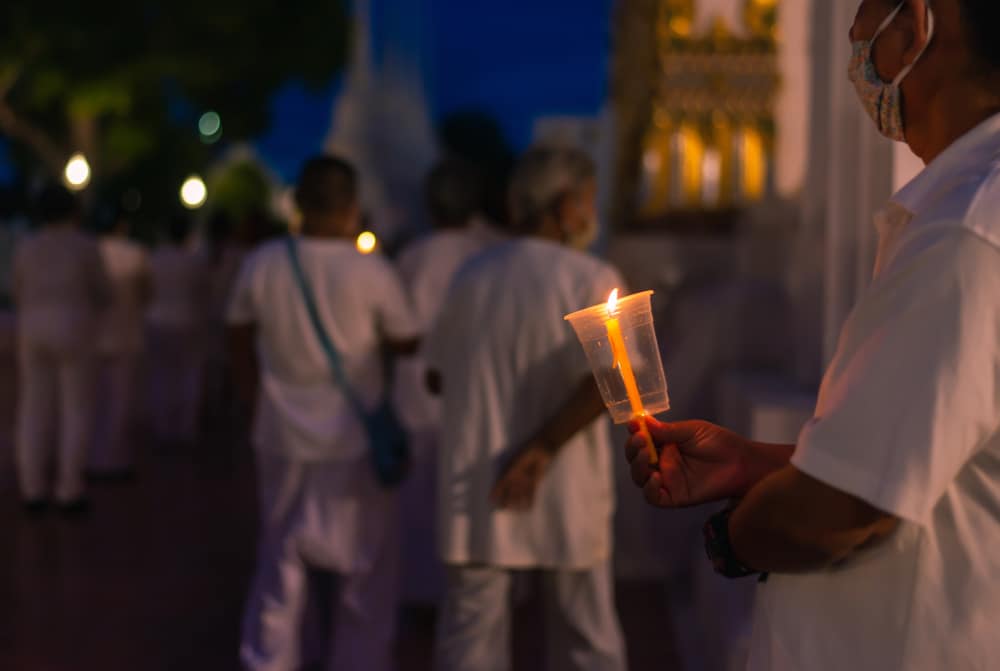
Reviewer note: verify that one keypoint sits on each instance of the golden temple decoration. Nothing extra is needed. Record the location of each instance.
(709, 136)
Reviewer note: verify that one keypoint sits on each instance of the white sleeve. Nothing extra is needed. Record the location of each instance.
(240, 310)
(912, 393)
(394, 311)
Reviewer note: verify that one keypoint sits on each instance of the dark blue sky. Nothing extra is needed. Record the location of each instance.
(517, 59)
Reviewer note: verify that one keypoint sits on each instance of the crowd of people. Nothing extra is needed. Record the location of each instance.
(311, 335)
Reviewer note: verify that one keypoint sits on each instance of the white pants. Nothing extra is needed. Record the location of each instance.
(113, 449)
(582, 629)
(332, 517)
(177, 361)
(56, 405)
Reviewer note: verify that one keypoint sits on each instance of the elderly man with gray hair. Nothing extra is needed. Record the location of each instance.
(525, 477)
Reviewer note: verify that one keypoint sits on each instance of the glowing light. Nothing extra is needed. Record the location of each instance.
(210, 124)
(613, 303)
(77, 172)
(193, 192)
(367, 242)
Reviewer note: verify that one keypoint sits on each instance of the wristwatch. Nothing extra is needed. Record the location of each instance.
(720, 551)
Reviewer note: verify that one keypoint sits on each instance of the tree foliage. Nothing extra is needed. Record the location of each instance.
(125, 82)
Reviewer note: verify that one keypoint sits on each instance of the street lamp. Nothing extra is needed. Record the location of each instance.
(77, 172)
(193, 192)
(367, 242)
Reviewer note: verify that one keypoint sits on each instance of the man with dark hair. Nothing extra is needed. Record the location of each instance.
(60, 287)
(320, 504)
(880, 528)
(525, 478)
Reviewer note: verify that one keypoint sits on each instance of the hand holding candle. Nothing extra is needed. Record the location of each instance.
(630, 379)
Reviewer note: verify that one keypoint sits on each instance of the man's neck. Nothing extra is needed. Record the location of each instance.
(321, 229)
(945, 121)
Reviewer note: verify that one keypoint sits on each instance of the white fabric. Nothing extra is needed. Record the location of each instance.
(55, 408)
(60, 286)
(508, 361)
(334, 516)
(427, 269)
(122, 325)
(301, 412)
(181, 287)
(176, 374)
(113, 449)
(907, 420)
(581, 624)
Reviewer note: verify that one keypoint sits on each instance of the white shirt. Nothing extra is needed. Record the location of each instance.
(508, 362)
(907, 420)
(127, 266)
(181, 288)
(301, 412)
(427, 269)
(60, 287)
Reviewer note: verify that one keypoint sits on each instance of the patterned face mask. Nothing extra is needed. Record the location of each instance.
(882, 100)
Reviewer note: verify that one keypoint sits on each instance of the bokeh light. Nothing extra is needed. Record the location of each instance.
(193, 192)
(367, 242)
(210, 127)
(77, 172)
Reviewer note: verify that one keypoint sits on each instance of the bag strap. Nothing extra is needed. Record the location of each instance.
(333, 356)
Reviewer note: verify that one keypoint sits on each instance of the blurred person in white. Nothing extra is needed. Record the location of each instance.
(178, 332)
(121, 341)
(880, 528)
(525, 479)
(320, 504)
(60, 289)
(454, 199)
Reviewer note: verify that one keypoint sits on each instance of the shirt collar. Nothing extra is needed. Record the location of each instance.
(966, 154)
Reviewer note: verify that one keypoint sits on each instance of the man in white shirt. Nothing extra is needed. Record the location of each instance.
(427, 267)
(320, 504)
(60, 288)
(120, 344)
(881, 527)
(525, 480)
(178, 334)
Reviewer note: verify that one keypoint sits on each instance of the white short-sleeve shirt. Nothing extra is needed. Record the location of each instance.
(127, 265)
(907, 420)
(508, 361)
(301, 412)
(181, 286)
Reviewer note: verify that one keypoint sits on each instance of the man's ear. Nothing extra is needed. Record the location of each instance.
(915, 21)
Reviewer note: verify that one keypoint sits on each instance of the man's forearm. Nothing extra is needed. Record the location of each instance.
(762, 459)
(791, 523)
(583, 407)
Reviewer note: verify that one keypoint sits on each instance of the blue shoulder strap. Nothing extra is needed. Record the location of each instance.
(332, 355)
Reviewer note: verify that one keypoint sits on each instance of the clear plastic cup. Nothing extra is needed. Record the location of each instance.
(635, 323)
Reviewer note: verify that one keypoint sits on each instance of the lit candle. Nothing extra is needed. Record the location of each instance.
(624, 365)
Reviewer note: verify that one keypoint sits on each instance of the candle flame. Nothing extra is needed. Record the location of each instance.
(613, 303)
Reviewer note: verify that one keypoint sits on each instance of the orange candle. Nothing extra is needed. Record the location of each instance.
(624, 366)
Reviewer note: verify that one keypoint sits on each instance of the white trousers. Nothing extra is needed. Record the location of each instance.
(177, 362)
(56, 407)
(113, 448)
(582, 629)
(351, 535)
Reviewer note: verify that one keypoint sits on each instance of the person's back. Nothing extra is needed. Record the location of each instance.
(321, 506)
(59, 287)
(504, 383)
(127, 265)
(180, 287)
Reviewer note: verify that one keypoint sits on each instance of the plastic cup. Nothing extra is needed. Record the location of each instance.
(642, 356)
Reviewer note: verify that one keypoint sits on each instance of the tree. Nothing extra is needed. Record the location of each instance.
(125, 82)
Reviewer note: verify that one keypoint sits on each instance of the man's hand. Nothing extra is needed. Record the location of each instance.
(515, 488)
(699, 463)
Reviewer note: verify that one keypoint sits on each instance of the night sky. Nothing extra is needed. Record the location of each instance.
(518, 60)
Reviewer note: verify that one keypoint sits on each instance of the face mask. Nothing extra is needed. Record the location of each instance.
(882, 101)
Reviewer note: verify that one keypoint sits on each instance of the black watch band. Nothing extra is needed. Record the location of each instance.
(720, 550)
